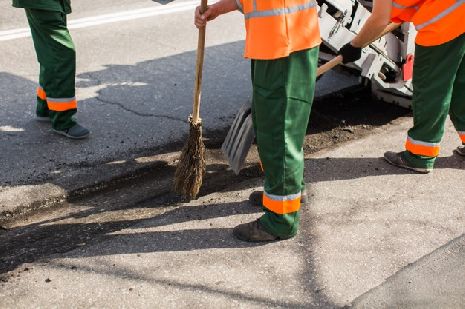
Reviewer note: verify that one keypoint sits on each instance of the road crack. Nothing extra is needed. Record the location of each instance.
(122, 106)
(91, 76)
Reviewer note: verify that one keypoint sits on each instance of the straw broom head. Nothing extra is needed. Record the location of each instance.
(191, 166)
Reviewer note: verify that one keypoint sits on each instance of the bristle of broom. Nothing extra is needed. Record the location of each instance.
(191, 166)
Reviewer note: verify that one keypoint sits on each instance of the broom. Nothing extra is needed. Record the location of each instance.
(191, 166)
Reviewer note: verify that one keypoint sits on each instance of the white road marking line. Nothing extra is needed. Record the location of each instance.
(86, 22)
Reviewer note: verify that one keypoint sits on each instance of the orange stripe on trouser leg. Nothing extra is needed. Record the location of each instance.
(41, 93)
(422, 150)
(281, 207)
(58, 106)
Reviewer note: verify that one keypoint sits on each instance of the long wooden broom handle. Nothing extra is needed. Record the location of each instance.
(198, 69)
(338, 60)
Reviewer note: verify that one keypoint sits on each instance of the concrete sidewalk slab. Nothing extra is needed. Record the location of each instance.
(435, 281)
(372, 219)
(368, 229)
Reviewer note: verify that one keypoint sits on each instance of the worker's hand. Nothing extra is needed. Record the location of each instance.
(350, 53)
(201, 19)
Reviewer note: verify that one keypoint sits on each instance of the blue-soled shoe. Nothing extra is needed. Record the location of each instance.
(395, 158)
(75, 132)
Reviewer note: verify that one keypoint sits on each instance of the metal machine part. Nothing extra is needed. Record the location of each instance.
(385, 64)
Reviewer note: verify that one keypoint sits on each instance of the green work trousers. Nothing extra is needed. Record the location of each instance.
(283, 91)
(63, 6)
(438, 90)
(57, 57)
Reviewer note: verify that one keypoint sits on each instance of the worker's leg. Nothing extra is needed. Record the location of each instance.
(457, 105)
(433, 81)
(256, 196)
(57, 57)
(283, 96)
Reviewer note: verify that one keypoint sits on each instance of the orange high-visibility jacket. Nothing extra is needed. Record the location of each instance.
(437, 21)
(276, 28)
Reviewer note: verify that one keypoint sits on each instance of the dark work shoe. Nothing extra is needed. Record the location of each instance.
(460, 151)
(75, 132)
(256, 198)
(253, 232)
(395, 158)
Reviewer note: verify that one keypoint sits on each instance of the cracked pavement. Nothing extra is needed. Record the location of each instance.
(122, 106)
(134, 85)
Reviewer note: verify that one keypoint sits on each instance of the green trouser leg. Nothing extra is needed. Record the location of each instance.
(57, 58)
(253, 115)
(439, 88)
(283, 91)
(457, 104)
(42, 108)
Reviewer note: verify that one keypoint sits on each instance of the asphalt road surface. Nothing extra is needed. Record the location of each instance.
(136, 63)
(135, 79)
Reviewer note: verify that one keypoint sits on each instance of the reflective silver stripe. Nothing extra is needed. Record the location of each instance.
(403, 7)
(440, 15)
(239, 6)
(415, 142)
(399, 6)
(461, 132)
(283, 11)
(254, 8)
(290, 197)
(61, 100)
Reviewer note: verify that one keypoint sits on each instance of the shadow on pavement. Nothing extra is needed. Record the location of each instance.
(45, 239)
(309, 276)
(233, 295)
(131, 110)
(76, 240)
(330, 169)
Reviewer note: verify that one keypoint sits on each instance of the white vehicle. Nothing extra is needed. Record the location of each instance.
(386, 65)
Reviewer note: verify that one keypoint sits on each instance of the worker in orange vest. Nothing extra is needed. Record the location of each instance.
(282, 42)
(438, 75)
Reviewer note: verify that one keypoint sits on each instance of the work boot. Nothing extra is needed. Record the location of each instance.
(256, 198)
(75, 132)
(460, 151)
(395, 158)
(253, 232)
